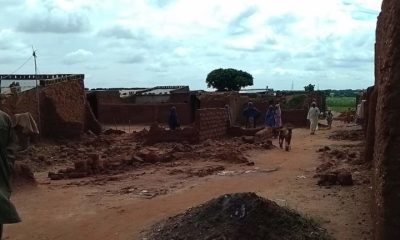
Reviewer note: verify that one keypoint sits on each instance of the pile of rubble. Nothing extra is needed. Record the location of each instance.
(238, 216)
(339, 165)
(119, 153)
(352, 135)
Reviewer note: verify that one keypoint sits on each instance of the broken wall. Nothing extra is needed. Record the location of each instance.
(159, 134)
(62, 108)
(211, 123)
(142, 113)
(23, 102)
(387, 123)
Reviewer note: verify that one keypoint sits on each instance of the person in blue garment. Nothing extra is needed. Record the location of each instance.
(251, 114)
(173, 120)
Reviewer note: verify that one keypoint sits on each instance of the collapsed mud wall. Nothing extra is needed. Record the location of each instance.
(62, 109)
(25, 102)
(142, 113)
(211, 123)
(387, 123)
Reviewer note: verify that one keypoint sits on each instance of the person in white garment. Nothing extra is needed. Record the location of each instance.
(312, 116)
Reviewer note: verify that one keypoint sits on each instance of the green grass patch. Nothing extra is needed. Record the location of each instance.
(340, 104)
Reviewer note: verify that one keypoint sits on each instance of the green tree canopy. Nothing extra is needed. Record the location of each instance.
(309, 88)
(229, 79)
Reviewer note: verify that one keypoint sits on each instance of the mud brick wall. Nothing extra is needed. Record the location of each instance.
(211, 123)
(387, 123)
(159, 134)
(25, 102)
(297, 118)
(142, 113)
(234, 100)
(372, 95)
(63, 110)
(111, 96)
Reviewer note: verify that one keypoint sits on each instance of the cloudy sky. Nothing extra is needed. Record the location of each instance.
(140, 43)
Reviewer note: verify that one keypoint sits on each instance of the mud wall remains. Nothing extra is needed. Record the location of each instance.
(369, 124)
(211, 123)
(24, 102)
(234, 100)
(296, 118)
(142, 113)
(62, 108)
(387, 123)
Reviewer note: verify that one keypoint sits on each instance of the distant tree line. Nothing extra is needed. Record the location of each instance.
(343, 93)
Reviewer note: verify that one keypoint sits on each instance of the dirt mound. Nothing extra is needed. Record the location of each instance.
(238, 216)
(352, 135)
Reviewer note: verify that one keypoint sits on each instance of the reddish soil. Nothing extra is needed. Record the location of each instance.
(122, 205)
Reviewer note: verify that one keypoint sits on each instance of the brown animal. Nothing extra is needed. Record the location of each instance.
(285, 134)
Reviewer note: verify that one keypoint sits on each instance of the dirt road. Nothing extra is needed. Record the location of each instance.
(60, 211)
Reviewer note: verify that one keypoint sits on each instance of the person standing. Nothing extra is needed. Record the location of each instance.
(312, 116)
(278, 116)
(8, 213)
(228, 115)
(173, 120)
(329, 118)
(270, 115)
(251, 114)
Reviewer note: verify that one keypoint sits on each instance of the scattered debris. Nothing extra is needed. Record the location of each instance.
(338, 165)
(352, 135)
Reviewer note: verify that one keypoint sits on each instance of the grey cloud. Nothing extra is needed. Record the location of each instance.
(55, 21)
(138, 58)
(282, 24)
(12, 50)
(282, 56)
(118, 32)
(9, 41)
(238, 25)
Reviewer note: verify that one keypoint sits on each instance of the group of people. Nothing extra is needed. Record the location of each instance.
(273, 116)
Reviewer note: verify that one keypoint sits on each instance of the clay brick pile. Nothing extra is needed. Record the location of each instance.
(211, 123)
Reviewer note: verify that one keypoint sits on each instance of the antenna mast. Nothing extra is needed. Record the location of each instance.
(37, 89)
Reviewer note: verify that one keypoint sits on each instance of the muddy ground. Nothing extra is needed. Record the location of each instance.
(121, 203)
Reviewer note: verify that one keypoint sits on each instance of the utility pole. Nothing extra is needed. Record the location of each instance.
(37, 89)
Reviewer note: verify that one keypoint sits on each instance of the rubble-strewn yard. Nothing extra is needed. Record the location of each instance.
(118, 185)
